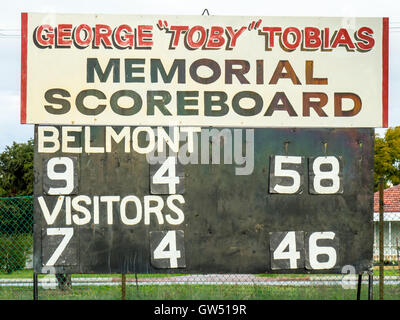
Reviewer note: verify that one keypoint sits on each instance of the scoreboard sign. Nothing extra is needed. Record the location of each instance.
(122, 199)
(220, 71)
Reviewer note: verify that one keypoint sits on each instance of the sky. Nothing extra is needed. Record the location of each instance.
(10, 128)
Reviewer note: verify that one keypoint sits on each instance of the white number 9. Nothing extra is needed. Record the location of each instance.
(66, 175)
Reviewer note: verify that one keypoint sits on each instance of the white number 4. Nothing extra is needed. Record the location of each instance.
(171, 179)
(166, 249)
(291, 254)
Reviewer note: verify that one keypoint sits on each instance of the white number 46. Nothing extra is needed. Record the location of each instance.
(296, 249)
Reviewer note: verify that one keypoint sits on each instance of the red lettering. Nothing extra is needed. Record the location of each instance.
(233, 36)
(176, 33)
(144, 36)
(190, 35)
(312, 38)
(270, 33)
(123, 36)
(102, 33)
(64, 33)
(216, 39)
(325, 37)
(44, 40)
(343, 39)
(79, 41)
(285, 38)
(366, 42)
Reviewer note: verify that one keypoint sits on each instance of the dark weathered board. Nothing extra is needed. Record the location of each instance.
(228, 222)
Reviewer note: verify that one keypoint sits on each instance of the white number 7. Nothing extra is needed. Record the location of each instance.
(67, 233)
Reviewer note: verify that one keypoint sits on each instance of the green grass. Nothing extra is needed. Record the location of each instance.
(20, 274)
(291, 275)
(388, 272)
(199, 292)
(192, 292)
(28, 274)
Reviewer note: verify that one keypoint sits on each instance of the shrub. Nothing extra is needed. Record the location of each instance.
(14, 251)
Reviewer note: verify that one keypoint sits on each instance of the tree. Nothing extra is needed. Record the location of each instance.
(16, 214)
(16, 170)
(16, 179)
(387, 157)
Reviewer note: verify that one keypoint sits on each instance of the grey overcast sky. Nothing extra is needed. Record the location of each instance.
(10, 127)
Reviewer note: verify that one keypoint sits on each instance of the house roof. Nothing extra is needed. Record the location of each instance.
(391, 199)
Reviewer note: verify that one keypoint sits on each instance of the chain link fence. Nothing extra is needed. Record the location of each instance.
(391, 248)
(17, 277)
(16, 225)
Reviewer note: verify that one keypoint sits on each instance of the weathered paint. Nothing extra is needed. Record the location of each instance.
(228, 218)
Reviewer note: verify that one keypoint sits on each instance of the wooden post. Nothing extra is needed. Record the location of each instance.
(381, 235)
(123, 286)
(397, 251)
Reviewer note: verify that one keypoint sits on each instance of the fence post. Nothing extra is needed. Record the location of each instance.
(397, 251)
(35, 286)
(381, 235)
(123, 286)
(359, 286)
(371, 285)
